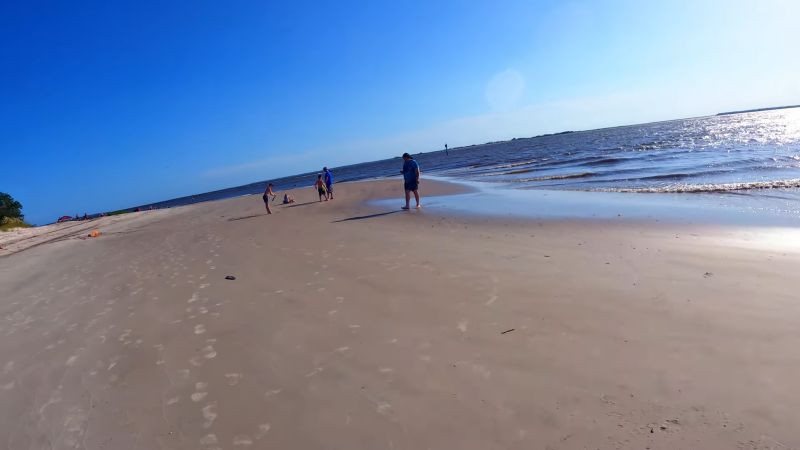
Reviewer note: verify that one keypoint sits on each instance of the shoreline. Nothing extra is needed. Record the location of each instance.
(708, 209)
(461, 198)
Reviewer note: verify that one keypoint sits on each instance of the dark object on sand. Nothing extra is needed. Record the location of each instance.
(230, 277)
(507, 331)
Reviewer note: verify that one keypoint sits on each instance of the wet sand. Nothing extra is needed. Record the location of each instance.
(349, 326)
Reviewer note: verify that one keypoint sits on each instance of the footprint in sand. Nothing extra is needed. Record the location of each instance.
(462, 326)
(242, 440)
(199, 329)
(383, 407)
(263, 429)
(199, 396)
(314, 372)
(209, 439)
(271, 393)
(233, 378)
(124, 336)
(493, 292)
(209, 415)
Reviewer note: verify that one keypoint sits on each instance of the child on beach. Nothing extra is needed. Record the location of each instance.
(267, 193)
(320, 185)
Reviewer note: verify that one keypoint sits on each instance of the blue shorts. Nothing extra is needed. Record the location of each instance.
(412, 185)
(329, 187)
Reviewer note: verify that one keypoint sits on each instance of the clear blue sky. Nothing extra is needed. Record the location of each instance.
(108, 104)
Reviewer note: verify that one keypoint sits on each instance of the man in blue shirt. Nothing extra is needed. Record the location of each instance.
(328, 176)
(410, 179)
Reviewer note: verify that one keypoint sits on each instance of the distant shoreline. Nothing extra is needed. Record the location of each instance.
(771, 108)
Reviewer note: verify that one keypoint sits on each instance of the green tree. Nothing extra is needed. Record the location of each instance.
(10, 207)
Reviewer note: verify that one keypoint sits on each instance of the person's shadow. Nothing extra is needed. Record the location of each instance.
(370, 216)
(295, 205)
(245, 217)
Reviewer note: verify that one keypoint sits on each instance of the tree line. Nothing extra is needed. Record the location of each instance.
(10, 212)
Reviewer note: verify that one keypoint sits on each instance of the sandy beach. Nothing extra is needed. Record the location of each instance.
(350, 326)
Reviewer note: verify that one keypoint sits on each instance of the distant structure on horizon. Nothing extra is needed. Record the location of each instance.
(757, 110)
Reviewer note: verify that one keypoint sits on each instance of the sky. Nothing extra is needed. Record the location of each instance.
(110, 104)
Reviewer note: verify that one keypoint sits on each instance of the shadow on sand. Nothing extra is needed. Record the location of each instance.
(370, 216)
(295, 205)
(246, 217)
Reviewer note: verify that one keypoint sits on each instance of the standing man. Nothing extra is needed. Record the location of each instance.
(410, 179)
(328, 182)
(446, 152)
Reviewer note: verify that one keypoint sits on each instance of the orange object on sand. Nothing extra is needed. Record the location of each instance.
(94, 233)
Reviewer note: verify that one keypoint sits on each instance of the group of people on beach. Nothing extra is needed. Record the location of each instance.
(324, 185)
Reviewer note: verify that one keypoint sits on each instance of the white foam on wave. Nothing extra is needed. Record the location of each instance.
(701, 188)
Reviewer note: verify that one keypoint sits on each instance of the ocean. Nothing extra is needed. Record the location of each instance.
(747, 160)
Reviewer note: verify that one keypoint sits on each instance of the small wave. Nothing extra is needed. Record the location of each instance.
(654, 145)
(604, 161)
(479, 165)
(700, 188)
(518, 171)
(554, 177)
(680, 176)
(499, 174)
(667, 176)
(515, 164)
(492, 166)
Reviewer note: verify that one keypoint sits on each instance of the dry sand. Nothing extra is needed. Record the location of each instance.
(349, 327)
